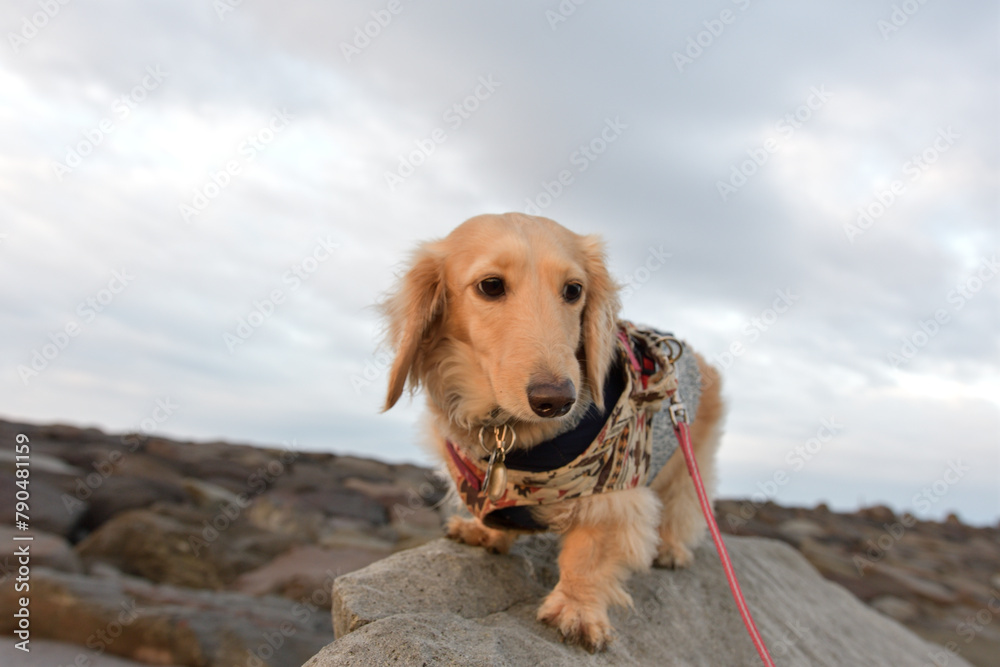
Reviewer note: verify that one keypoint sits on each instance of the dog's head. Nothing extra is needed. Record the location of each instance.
(509, 317)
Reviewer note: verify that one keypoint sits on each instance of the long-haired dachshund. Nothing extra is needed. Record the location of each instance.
(510, 324)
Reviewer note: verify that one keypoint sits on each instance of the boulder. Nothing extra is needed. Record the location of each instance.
(49, 550)
(137, 464)
(39, 463)
(277, 512)
(47, 653)
(167, 625)
(344, 503)
(304, 568)
(67, 433)
(117, 494)
(796, 530)
(161, 548)
(343, 467)
(51, 509)
(183, 546)
(451, 604)
(208, 496)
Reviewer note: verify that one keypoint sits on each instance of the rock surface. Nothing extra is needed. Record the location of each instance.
(166, 625)
(939, 579)
(301, 570)
(217, 554)
(223, 520)
(45, 653)
(46, 549)
(450, 604)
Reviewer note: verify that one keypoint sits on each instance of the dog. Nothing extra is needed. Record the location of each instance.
(510, 325)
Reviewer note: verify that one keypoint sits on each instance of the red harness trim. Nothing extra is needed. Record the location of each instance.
(471, 476)
(623, 337)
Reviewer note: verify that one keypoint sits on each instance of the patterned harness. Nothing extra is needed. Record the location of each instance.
(620, 449)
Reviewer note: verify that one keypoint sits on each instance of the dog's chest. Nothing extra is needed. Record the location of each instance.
(622, 447)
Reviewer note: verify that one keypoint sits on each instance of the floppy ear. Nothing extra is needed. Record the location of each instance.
(412, 313)
(600, 317)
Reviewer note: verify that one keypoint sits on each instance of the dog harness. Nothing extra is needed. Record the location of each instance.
(619, 448)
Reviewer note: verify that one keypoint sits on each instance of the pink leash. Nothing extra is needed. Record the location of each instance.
(684, 438)
(678, 415)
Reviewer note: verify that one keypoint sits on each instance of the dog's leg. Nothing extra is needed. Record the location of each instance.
(682, 525)
(474, 533)
(605, 537)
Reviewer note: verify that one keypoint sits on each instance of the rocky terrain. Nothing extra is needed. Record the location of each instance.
(413, 609)
(211, 554)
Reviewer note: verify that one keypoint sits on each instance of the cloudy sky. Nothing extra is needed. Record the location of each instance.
(202, 200)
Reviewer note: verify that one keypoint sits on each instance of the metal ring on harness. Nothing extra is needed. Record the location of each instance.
(501, 437)
(674, 347)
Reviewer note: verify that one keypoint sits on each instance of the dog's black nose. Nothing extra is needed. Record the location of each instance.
(549, 399)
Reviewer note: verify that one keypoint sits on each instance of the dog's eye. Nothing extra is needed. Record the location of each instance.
(572, 292)
(491, 287)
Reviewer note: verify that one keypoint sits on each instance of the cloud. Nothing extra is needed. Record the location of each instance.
(749, 95)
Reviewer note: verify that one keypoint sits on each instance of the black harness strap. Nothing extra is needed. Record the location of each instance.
(558, 452)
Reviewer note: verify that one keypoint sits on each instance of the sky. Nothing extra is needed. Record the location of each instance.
(200, 202)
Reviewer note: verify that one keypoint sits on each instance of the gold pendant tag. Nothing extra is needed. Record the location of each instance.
(495, 482)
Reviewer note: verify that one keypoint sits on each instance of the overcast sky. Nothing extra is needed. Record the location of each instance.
(201, 201)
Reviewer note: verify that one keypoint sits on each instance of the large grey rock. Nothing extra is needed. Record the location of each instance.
(450, 604)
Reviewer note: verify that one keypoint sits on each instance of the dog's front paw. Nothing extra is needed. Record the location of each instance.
(584, 624)
(673, 556)
(474, 533)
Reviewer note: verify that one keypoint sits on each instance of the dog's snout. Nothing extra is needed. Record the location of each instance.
(551, 399)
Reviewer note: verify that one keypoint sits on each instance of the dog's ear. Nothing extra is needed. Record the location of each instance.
(413, 313)
(600, 316)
